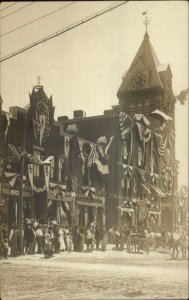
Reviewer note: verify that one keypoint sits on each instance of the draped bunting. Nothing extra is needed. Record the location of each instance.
(127, 170)
(82, 155)
(141, 174)
(167, 178)
(141, 118)
(153, 178)
(89, 191)
(12, 178)
(126, 124)
(57, 189)
(39, 189)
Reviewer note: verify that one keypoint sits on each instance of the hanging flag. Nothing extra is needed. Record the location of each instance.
(92, 155)
(8, 117)
(82, 155)
(66, 145)
(14, 151)
(125, 123)
(47, 169)
(30, 174)
(89, 191)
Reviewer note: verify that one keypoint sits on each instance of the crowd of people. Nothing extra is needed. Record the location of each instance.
(52, 238)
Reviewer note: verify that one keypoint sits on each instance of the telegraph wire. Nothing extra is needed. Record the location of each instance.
(13, 12)
(42, 17)
(62, 31)
(8, 6)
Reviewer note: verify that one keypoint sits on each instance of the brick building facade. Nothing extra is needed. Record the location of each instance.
(114, 168)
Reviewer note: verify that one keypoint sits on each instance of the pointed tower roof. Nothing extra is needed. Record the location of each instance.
(145, 61)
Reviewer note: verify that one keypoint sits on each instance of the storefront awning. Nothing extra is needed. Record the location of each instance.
(155, 191)
(143, 189)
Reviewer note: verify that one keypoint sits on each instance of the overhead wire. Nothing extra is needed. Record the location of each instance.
(8, 6)
(62, 31)
(35, 20)
(13, 12)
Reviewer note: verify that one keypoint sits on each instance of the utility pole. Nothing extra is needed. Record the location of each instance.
(20, 207)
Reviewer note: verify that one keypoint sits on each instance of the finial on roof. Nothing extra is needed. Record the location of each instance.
(38, 86)
(146, 22)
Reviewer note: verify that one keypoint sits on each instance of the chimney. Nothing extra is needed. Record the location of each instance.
(62, 118)
(79, 114)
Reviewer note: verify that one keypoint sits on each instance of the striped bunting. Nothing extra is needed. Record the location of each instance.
(74, 208)
(125, 123)
(92, 156)
(162, 146)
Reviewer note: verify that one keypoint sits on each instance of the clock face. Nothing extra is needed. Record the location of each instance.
(138, 80)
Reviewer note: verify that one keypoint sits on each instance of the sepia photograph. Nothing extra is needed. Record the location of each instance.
(94, 150)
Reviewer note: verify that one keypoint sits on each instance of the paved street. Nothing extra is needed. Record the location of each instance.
(97, 275)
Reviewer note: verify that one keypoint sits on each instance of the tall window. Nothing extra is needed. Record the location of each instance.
(52, 169)
(36, 170)
(60, 162)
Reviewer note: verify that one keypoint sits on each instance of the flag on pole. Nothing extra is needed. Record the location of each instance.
(30, 174)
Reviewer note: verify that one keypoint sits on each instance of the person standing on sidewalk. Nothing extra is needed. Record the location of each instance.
(13, 240)
(39, 239)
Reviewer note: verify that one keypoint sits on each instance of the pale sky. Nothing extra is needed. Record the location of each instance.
(83, 68)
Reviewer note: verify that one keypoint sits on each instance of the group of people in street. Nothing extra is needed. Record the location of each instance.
(52, 238)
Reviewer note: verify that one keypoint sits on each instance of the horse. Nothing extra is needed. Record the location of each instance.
(175, 241)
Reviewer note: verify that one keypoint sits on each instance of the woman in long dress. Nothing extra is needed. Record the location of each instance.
(61, 239)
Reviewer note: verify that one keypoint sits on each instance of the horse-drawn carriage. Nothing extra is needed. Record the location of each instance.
(138, 241)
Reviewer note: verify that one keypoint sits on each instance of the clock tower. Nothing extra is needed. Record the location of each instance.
(147, 85)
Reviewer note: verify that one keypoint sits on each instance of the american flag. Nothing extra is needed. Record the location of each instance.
(125, 124)
(92, 156)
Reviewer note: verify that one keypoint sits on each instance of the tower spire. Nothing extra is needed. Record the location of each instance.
(38, 86)
(146, 22)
